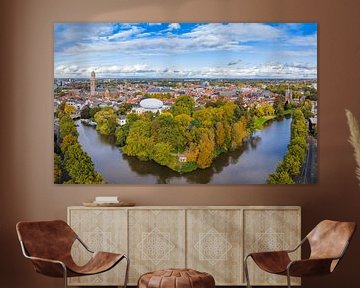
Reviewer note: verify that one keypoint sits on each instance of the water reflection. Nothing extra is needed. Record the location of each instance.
(250, 164)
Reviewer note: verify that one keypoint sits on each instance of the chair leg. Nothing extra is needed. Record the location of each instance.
(246, 270)
(288, 278)
(127, 271)
(65, 276)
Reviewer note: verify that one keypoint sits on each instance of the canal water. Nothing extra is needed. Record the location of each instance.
(250, 164)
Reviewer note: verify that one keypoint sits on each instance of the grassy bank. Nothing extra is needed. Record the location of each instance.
(259, 122)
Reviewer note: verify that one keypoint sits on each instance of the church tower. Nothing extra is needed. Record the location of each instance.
(288, 94)
(92, 84)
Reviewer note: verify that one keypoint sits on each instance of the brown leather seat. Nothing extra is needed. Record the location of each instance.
(176, 278)
(328, 242)
(48, 245)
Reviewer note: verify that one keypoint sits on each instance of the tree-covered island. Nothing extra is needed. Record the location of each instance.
(185, 138)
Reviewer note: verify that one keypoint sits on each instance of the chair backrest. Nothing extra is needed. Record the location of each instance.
(329, 239)
(46, 239)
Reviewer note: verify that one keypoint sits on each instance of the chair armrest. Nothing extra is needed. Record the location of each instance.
(48, 267)
(298, 246)
(83, 244)
(271, 261)
(268, 254)
(309, 267)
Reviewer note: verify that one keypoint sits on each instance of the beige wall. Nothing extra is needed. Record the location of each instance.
(27, 192)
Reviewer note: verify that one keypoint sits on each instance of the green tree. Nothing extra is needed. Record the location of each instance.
(67, 126)
(281, 177)
(80, 167)
(268, 109)
(106, 121)
(85, 112)
(183, 120)
(162, 153)
(292, 165)
(124, 108)
(120, 135)
(139, 141)
(306, 109)
(298, 152)
(122, 132)
(300, 141)
(184, 104)
(205, 116)
(57, 169)
(68, 140)
(93, 111)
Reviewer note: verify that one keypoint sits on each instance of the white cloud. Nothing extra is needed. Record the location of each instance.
(297, 53)
(134, 30)
(174, 44)
(234, 32)
(268, 70)
(174, 26)
(307, 40)
(98, 46)
(78, 32)
(206, 37)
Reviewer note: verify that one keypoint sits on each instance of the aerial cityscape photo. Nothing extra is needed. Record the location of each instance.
(185, 103)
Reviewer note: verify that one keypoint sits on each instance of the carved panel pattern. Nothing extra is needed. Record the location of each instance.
(209, 239)
(156, 246)
(270, 230)
(156, 241)
(214, 244)
(101, 230)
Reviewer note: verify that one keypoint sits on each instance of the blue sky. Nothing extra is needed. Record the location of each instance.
(186, 50)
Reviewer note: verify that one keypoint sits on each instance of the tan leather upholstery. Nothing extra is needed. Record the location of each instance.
(176, 278)
(328, 242)
(52, 240)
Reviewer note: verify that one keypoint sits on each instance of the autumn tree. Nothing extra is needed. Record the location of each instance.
(162, 153)
(220, 134)
(69, 109)
(239, 132)
(67, 126)
(205, 116)
(106, 121)
(184, 104)
(206, 149)
(57, 169)
(281, 177)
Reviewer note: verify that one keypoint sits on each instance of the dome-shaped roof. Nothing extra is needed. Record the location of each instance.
(151, 103)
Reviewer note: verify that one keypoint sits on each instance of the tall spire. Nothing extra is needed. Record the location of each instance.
(92, 84)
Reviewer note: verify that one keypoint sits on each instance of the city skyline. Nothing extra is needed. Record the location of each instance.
(186, 50)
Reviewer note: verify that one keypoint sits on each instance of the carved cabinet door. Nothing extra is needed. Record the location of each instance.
(214, 244)
(156, 240)
(101, 230)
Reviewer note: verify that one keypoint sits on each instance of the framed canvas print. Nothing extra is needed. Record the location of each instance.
(185, 103)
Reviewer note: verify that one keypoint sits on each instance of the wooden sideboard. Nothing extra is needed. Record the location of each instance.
(212, 239)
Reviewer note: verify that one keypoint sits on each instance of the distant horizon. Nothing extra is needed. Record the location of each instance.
(179, 78)
(186, 50)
